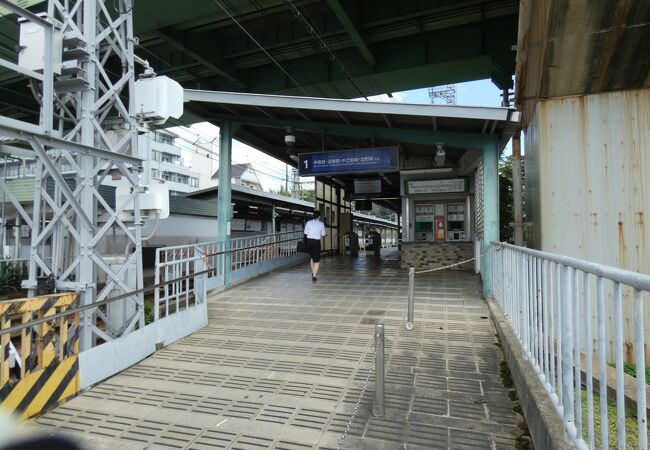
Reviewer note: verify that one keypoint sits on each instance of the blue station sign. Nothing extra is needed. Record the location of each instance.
(361, 160)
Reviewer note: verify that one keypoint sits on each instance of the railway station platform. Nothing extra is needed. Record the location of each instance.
(284, 361)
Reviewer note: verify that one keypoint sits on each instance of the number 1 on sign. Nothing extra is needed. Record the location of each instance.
(306, 164)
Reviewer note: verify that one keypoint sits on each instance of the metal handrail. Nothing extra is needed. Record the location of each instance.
(549, 302)
(100, 303)
(632, 279)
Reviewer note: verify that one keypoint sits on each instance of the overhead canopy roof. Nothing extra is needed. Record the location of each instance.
(334, 124)
(321, 124)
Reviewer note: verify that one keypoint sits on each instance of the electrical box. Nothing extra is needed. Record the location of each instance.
(157, 99)
(154, 200)
(32, 47)
(121, 311)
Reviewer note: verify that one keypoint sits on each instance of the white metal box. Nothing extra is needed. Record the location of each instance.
(156, 199)
(32, 47)
(158, 98)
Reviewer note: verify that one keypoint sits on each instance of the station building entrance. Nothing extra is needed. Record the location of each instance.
(434, 166)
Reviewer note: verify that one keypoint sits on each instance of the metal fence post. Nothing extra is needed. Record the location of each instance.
(411, 299)
(156, 292)
(200, 290)
(378, 405)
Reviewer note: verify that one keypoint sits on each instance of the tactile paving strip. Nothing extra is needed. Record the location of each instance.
(284, 369)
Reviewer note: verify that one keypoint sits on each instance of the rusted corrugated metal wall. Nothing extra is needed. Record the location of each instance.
(588, 182)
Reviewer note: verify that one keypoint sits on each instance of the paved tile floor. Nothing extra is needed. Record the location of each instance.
(283, 363)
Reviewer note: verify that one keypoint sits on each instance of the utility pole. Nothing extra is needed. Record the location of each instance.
(295, 183)
(445, 93)
(286, 178)
(517, 190)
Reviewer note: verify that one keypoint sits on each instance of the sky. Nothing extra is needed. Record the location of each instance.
(271, 172)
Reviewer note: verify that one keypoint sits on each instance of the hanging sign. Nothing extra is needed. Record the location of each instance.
(361, 160)
(437, 186)
(367, 185)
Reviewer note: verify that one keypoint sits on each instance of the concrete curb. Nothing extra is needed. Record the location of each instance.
(545, 426)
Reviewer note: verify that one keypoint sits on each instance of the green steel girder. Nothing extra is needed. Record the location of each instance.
(385, 45)
(405, 37)
(198, 52)
(352, 31)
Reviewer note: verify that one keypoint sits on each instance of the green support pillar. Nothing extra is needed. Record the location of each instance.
(490, 209)
(224, 207)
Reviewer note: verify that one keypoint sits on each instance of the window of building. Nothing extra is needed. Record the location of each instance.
(155, 174)
(194, 182)
(13, 170)
(164, 138)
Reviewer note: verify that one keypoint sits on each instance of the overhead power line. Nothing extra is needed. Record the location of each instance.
(261, 47)
(311, 29)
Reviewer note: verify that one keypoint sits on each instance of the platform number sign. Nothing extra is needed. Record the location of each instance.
(363, 160)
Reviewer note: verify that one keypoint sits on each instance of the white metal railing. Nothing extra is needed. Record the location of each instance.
(249, 256)
(247, 251)
(549, 301)
(174, 267)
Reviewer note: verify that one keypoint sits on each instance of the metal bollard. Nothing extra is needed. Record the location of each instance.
(378, 405)
(411, 301)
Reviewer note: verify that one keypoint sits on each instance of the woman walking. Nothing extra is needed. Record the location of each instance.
(314, 230)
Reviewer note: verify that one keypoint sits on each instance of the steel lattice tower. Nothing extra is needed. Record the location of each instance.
(87, 122)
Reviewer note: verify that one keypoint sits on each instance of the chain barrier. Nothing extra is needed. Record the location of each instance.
(355, 411)
(449, 266)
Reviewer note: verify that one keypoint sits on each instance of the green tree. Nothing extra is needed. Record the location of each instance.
(506, 210)
(309, 196)
(282, 191)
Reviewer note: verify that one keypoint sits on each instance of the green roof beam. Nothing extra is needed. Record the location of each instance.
(460, 140)
(209, 61)
(352, 31)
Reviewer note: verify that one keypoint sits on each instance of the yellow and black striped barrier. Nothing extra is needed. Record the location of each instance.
(44, 357)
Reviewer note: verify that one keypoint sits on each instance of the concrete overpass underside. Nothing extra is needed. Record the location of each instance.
(322, 48)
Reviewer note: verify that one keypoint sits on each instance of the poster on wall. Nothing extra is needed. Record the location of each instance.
(450, 185)
(253, 225)
(424, 213)
(238, 225)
